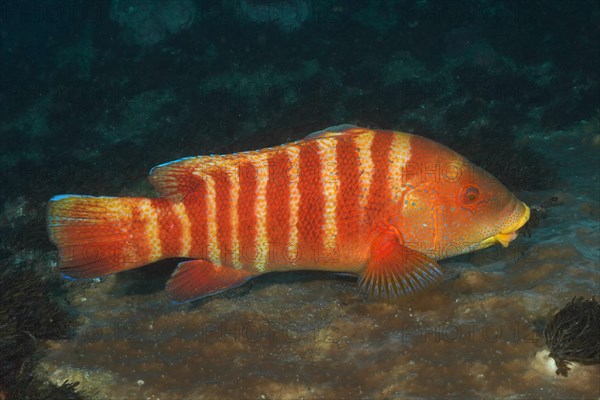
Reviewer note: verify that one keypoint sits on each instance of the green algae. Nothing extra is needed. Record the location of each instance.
(573, 335)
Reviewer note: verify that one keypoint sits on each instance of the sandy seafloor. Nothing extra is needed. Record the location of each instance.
(311, 335)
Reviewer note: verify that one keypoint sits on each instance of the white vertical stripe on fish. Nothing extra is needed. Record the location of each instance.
(363, 144)
(150, 217)
(260, 208)
(293, 153)
(398, 157)
(329, 179)
(186, 229)
(214, 251)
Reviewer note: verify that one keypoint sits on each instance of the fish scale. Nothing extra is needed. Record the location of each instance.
(346, 199)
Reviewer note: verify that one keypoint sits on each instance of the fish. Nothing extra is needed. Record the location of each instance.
(382, 205)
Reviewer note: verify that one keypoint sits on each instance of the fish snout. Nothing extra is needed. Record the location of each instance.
(518, 217)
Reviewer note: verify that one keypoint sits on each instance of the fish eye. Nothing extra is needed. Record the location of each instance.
(470, 195)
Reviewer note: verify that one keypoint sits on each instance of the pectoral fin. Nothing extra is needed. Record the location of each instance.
(394, 270)
(199, 278)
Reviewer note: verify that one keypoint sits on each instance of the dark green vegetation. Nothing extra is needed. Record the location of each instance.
(573, 335)
(33, 308)
(445, 71)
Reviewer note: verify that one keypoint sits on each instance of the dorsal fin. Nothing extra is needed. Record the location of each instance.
(178, 178)
(332, 131)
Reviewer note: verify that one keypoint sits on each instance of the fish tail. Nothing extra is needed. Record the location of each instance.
(98, 236)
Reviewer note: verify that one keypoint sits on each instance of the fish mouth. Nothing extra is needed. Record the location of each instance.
(509, 234)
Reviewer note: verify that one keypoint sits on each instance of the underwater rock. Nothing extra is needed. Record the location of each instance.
(466, 43)
(539, 212)
(474, 281)
(288, 15)
(591, 208)
(573, 335)
(149, 21)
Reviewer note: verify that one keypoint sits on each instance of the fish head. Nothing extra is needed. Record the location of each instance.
(456, 206)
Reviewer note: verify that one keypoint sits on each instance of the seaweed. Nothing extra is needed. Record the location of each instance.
(573, 335)
(33, 306)
(28, 386)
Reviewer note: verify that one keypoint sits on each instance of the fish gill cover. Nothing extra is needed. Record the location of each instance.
(94, 94)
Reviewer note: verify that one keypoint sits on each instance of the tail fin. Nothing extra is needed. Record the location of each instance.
(98, 236)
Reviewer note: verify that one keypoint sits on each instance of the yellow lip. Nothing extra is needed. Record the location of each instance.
(504, 238)
(508, 235)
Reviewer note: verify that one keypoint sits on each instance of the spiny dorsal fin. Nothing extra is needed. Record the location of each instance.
(178, 178)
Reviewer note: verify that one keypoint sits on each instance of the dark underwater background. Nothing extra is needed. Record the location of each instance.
(95, 93)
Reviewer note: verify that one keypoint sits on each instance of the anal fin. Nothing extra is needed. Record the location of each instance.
(199, 278)
(394, 270)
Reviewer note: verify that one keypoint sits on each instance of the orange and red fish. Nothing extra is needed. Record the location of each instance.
(383, 205)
